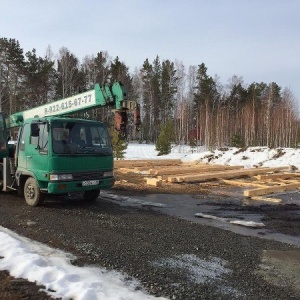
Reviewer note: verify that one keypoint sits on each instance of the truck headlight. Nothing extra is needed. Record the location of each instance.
(108, 174)
(60, 177)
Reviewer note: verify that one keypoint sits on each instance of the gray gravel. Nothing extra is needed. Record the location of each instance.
(171, 257)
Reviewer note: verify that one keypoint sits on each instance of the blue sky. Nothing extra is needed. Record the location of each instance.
(258, 40)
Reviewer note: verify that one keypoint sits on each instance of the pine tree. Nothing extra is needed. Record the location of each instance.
(205, 99)
(156, 99)
(119, 146)
(147, 99)
(237, 141)
(120, 72)
(39, 79)
(12, 72)
(165, 139)
(168, 90)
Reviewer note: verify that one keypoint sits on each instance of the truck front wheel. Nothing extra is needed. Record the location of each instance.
(91, 195)
(32, 193)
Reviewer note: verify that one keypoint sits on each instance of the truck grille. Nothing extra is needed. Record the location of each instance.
(87, 175)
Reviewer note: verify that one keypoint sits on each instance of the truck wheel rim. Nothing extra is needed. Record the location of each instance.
(30, 191)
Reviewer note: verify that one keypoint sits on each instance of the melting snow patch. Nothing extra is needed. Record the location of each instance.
(247, 223)
(205, 216)
(236, 222)
(198, 270)
(130, 200)
(114, 197)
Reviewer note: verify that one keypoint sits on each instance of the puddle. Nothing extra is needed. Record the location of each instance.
(281, 268)
(187, 206)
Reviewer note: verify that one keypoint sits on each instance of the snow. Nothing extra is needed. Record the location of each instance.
(52, 268)
(238, 222)
(231, 156)
(199, 270)
(28, 259)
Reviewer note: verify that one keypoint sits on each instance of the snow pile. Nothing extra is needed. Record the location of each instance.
(50, 267)
(250, 157)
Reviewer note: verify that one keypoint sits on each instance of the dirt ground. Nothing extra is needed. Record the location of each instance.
(277, 266)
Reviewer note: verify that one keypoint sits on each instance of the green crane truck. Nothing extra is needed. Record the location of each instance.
(58, 154)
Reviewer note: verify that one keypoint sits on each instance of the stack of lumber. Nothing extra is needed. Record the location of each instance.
(146, 163)
(263, 181)
(223, 174)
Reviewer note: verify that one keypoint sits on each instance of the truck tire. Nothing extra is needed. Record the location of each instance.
(32, 193)
(91, 195)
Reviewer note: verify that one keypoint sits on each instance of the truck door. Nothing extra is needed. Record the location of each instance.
(33, 150)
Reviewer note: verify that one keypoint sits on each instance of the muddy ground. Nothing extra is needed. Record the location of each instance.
(134, 236)
(282, 218)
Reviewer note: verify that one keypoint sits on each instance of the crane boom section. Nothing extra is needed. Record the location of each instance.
(100, 96)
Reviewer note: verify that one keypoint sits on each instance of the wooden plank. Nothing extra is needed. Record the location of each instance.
(126, 170)
(191, 169)
(277, 176)
(175, 179)
(243, 183)
(271, 190)
(225, 174)
(142, 163)
(144, 170)
(259, 198)
(292, 181)
(153, 181)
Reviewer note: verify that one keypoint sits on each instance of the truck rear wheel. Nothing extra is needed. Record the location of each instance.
(32, 193)
(91, 195)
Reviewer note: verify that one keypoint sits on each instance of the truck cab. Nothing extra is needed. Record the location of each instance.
(63, 155)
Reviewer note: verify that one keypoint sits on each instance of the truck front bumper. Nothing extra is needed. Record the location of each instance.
(63, 187)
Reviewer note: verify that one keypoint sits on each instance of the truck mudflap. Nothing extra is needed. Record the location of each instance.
(79, 186)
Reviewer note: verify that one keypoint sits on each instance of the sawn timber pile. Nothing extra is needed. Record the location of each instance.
(261, 181)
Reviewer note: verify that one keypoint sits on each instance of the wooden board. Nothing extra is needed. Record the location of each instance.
(224, 174)
(142, 163)
(259, 198)
(191, 169)
(277, 176)
(243, 183)
(271, 190)
(153, 181)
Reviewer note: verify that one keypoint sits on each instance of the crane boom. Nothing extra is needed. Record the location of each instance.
(108, 95)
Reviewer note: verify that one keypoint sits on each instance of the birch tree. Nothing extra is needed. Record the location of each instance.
(68, 71)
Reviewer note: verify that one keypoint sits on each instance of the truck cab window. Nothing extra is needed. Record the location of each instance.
(24, 133)
(41, 141)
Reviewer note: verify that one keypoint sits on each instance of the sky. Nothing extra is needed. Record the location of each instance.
(36, 262)
(258, 40)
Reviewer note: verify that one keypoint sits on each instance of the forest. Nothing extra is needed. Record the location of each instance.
(201, 109)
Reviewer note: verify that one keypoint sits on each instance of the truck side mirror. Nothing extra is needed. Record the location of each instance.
(35, 130)
(3, 138)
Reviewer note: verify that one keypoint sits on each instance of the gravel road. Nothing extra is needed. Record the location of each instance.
(171, 257)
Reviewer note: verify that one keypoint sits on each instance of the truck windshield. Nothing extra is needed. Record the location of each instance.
(73, 137)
